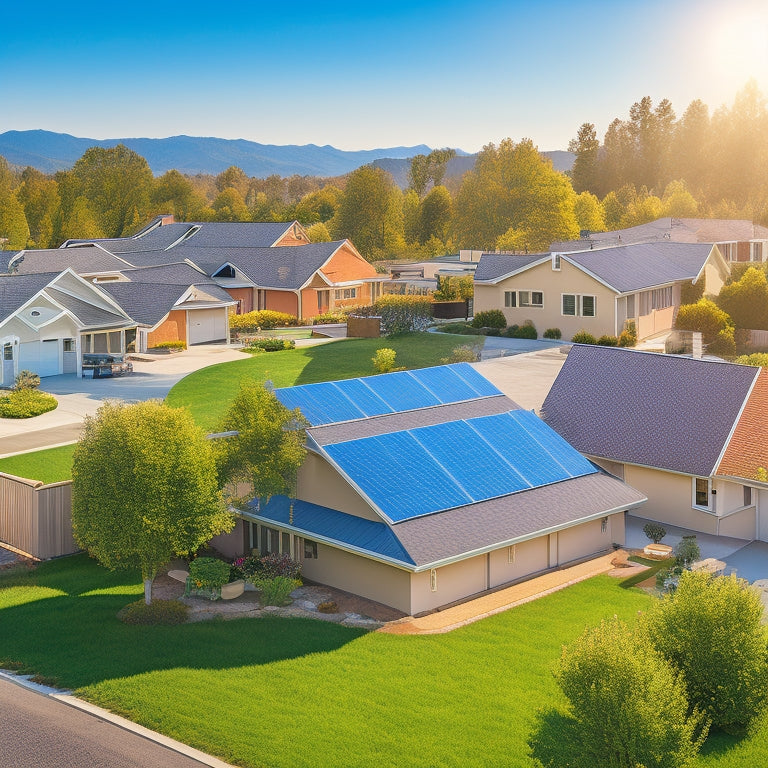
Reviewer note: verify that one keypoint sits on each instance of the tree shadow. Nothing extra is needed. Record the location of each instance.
(553, 739)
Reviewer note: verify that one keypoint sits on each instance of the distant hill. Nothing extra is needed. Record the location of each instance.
(458, 166)
(50, 152)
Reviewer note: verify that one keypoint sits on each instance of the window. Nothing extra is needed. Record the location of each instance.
(523, 299)
(310, 550)
(576, 305)
(556, 262)
(346, 293)
(7, 352)
(433, 580)
(755, 251)
(69, 345)
(747, 496)
(702, 489)
(510, 298)
(728, 250)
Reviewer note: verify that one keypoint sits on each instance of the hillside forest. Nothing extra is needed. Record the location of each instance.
(650, 165)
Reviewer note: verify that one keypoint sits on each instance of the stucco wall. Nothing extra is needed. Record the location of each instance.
(511, 563)
(552, 284)
(234, 543)
(244, 296)
(173, 328)
(454, 582)
(762, 522)
(587, 539)
(282, 301)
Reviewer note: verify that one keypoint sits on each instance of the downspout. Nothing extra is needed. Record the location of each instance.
(298, 303)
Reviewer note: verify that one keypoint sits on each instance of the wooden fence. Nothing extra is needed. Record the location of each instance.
(36, 518)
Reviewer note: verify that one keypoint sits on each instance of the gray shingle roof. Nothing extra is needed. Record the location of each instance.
(15, 290)
(660, 411)
(493, 266)
(88, 314)
(643, 265)
(83, 260)
(168, 274)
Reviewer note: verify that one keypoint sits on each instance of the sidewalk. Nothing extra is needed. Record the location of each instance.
(503, 600)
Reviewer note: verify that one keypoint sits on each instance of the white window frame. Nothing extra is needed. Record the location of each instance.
(556, 262)
(510, 299)
(345, 293)
(578, 301)
(694, 503)
(516, 297)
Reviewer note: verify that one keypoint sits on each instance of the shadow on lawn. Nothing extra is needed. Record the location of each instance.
(76, 639)
(553, 739)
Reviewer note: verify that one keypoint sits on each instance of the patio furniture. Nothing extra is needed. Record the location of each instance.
(660, 551)
(232, 590)
(179, 575)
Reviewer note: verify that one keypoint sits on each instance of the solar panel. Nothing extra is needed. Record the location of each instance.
(321, 403)
(402, 391)
(365, 398)
(446, 384)
(478, 382)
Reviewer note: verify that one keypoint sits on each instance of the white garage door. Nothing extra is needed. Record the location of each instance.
(207, 325)
(40, 357)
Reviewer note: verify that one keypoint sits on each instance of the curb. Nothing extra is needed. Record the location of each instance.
(70, 700)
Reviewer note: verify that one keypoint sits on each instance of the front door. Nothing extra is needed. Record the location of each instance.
(9, 371)
(322, 301)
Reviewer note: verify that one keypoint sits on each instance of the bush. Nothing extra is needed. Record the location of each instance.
(759, 359)
(525, 331)
(492, 318)
(384, 360)
(170, 345)
(157, 612)
(704, 316)
(268, 345)
(724, 343)
(276, 591)
(26, 380)
(687, 551)
(608, 341)
(209, 572)
(654, 532)
(26, 403)
(402, 314)
(463, 354)
(328, 317)
(630, 708)
(461, 328)
(709, 630)
(583, 337)
(262, 319)
(275, 564)
(628, 337)
(245, 568)
(553, 333)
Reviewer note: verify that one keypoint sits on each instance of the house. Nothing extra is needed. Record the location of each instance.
(690, 434)
(48, 320)
(598, 290)
(736, 239)
(262, 265)
(422, 488)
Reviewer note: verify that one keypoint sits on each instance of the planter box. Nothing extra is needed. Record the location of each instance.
(363, 327)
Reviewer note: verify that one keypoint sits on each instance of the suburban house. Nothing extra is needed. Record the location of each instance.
(421, 488)
(48, 320)
(736, 239)
(690, 434)
(598, 290)
(262, 265)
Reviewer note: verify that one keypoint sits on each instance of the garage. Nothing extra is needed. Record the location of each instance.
(208, 325)
(40, 357)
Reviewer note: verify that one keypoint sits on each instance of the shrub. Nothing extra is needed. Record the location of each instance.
(463, 354)
(553, 333)
(583, 337)
(209, 572)
(245, 568)
(461, 328)
(400, 313)
(724, 343)
(157, 612)
(276, 591)
(654, 532)
(759, 359)
(608, 341)
(709, 630)
(384, 360)
(511, 331)
(328, 606)
(262, 319)
(275, 564)
(629, 707)
(746, 300)
(704, 316)
(525, 331)
(492, 318)
(628, 336)
(268, 345)
(26, 403)
(171, 345)
(328, 317)
(26, 380)
(687, 551)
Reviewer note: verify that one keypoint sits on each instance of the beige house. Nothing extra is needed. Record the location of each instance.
(423, 488)
(690, 434)
(598, 290)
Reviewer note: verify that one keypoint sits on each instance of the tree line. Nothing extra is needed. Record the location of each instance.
(648, 166)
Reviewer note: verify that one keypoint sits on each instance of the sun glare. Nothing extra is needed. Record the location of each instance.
(739, 44)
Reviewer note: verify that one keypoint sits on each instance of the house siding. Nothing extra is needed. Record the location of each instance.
(282, 301)
(173, 328)
(244, 296)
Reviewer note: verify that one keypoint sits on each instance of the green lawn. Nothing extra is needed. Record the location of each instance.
(49, 466)
(293, 693)
(208, 392)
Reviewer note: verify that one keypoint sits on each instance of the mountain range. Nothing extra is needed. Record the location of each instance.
(50, 152)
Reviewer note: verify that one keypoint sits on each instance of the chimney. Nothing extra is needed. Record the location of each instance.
(697, 351)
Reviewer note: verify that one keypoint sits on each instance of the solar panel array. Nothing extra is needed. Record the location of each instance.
(430, 469)
(336, 401)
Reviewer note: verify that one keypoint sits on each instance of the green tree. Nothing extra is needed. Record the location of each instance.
(678, 202)
(586, 171)
(644, 209)
(318, 233)
(710, 631)
(691, 147)
(144, 488)
(230, 206)
(40, 197)
(614, 211)
(318, 206)
(429, 168)
(13, 224)
(269, 447)
(233, 178)
(411, 216)
(630, 708)
(589, 212)
(704, 316)
(746, 300)
(515, 193)
(174, 193)
(80, 223)
(435, 215)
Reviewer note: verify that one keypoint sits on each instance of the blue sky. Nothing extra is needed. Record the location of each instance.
(370, 74)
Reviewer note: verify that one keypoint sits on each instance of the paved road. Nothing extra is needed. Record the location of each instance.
(40, 732)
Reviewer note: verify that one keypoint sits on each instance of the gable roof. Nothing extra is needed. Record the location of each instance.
(16, 290)
(661, 411)
(493, 267)
(85, 259)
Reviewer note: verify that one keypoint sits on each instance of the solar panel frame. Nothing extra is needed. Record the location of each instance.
(402, 391)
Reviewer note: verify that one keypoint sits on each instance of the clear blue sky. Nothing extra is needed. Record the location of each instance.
(369, 74)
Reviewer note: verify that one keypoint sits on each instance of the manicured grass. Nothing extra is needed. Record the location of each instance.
(294, 693)
(208, 392)
(49, 466)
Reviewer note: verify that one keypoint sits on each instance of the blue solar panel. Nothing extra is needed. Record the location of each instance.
(366, 399)
(398, 475)
(513, 442)
(445, 383)
(561, 451)
(320, 403)
(478, 382)
(486, 476)
(402, 391)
